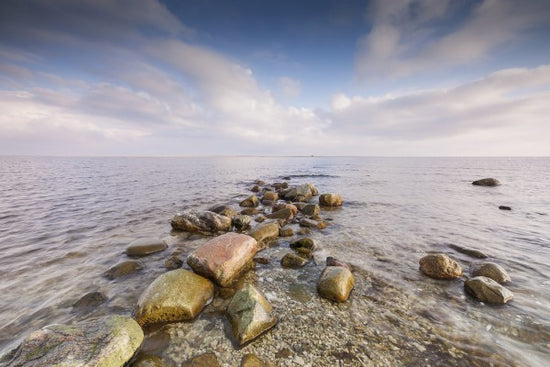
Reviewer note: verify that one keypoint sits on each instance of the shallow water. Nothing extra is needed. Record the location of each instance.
(64, 221)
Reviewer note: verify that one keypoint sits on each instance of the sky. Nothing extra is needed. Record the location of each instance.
(330, 77)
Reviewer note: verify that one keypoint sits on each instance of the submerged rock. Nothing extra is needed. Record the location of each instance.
(265, 232)
(331, 199)
(305, 242)
(145, 246)
(335, 283)
(250, 314)
(493, 271)
(177, 295)
(122, 269)
(294, 261)
(468, 251)
(207, 221)
(504, 207)
(203, 360)
(486, 182)
(173, 262)
(249, 211)
(255, 188)
(148, 361)
(92, 299)
(310, 223)
(224, 257)
(250, 202)
(487, 290)
(440, 266)
(109, 341)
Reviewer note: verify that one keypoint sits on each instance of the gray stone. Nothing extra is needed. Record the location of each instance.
(487, 290)
(250, 314)
(440, 266)
(493, 271)
(109, 341)
(173, 262)
(486, 182)
(122, 269)
(331, 261)
(468, 251)
(145, 246)
(286, 232)
(310, 223)
(207, 221)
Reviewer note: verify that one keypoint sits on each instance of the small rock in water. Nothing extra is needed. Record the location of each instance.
(223, 258)
(259, 182)
(145, 246)
(173, 262)
(294, 261)
(109, 341)
(305, 242)
(250, 202)
(440, 266)
(310, 223)
(311, 210)
(177, 295)
(487, 290)
(255, 188)
(282, 206)
(271, 196)
(504, 207)
(92, 299)
(192, 221)
(241, 222)
(486, 182)
(286, 232)
(335, 283)
(285, 214)
(260, 218)
(468, 251)
(493, 271)
(123, 268)
(331, 199)
(301, 193)
(250, 314)
(203, 360)
(304, 252)
(331, 261)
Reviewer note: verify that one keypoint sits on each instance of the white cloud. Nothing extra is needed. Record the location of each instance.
(290, 88)
(404, 41)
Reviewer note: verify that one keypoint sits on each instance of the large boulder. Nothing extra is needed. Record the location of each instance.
(486, 182)
(250, 202)
(250, 314)
(335, 283)
(302, 193)
(177, 295)
(487, 290)
(122, 269)
(145, 246)
(440, 266)
(330, 200)
(493, 271)
(109, 341)
(207, 221)
(265, 232)
(224, 257)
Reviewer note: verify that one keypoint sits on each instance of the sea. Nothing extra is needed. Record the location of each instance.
(65, 220)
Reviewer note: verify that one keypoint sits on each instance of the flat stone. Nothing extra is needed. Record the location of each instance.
(294, 261)
(122, 269)
(440, 266)
(330, 199)
(177, 295)
(305, 242)
(203, 360)
(255, 188)
(468, 251)
(301, 193)
(224, 257)
(145, 246)
(265, 232)
(108, 341)
(207, 221)
(250, 202)
(493, 271)
(250, 314)
(487, 290)
(486, 182)
(250, 211)
(335, 283)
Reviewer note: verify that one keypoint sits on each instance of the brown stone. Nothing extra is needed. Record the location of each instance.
(265, 232)
(252, 360)
(335, 283)
(305, 242)
(331, 199)
(311, 210)
(282, 206)
(271, 196)
(487, 290)
(250, 202)
(145, 246)
(203, 360)
(123, 268)
(286, 232)
(440, 266)
(493, 271)
(294, 261)
(285, 214)
(224, 257)
(207, 221)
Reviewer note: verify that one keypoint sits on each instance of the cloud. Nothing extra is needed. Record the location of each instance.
(290, 88)
(414, 36)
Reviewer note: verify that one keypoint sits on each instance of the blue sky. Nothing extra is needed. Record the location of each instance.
(398, 78)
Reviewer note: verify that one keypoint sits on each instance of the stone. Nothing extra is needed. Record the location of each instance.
(440, 266)
(148, 361)
(261, 260)
(280, 185)
(271, 196)
(145, 246)
(223, 258)
(487, 290)
(202, 360)
(504, 207)
(311, 210)
(108, 341)
(305, 242)
(252, 360)
(255, 188)
(486, 182)
(207, 221)
(250, 211)
(91, 299)
(241, 222)
(177, 295)
(122, 269)
(286, 232)
(265, 232)
(493, 271)
(173, 262)
(224, 210)
(259, 182)
(310, 223)
(331, 261)
(281, 206)
(335, 283)
(294, 261)
(250, 202)
(470, 252)
(285, 214)
(330, 199)
(250, 314)
(301, 193)
(304, 252)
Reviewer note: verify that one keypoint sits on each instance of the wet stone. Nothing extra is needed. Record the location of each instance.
(311, 210)
(330, 200)
(493, 271)
(250, 211)
(145, 246)
(286, 232)
(250, 202)
(487, 290)
(123, 268)
(331, 261)
(271, 196)
(265, 232)
(203, 360)
(504, 207)
(486, 182)
(440, 266)
(224, 210)
(285, 214)
(173, 262)
(193, 221)
(255, 188)
(335, 283)
(252, 360)
(468, 251)
(92, 299)
(241, 222)
(147, 361)
(293, 261)
(305, 242)
(261, 260)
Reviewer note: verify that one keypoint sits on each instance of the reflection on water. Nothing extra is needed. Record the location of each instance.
(64, 221)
